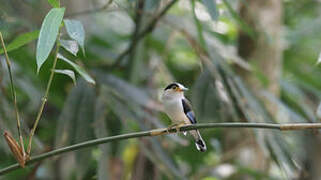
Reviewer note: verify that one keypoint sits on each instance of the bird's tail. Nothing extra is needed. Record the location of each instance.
(199, 142)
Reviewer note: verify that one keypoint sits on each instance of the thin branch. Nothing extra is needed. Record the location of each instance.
(45, 97)
(149, 28)
(1, 79)
(162, 131)
(14, 96)
(91, 11)
(134, 42)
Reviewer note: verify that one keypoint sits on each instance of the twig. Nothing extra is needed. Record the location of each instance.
(45, 97)
(134, 42)
(14, 96)
(104, 7)
(1, 79)
(162, 131)
(150, 27)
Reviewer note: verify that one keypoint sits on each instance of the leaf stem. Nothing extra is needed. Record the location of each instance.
(14, 96)
(162, 131)
(45, 97)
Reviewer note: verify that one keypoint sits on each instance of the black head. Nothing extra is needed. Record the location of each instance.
(171, 86)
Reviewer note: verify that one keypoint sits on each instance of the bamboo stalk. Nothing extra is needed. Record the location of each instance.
(45, 97)
(162, 131)
(14, 96)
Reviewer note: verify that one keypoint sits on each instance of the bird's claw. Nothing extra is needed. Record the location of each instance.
(177, 127)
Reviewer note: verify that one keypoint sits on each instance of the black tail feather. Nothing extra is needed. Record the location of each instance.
(200, 145)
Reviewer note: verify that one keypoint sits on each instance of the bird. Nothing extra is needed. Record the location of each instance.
(179, 110)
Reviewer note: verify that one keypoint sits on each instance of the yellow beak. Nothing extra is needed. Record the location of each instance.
(181, 89)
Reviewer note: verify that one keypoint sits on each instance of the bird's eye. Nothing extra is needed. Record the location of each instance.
(175, 87)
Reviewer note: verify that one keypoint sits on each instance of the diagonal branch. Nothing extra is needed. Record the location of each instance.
(103, 8)
(149, 28)
(162, 131)
(134, 42)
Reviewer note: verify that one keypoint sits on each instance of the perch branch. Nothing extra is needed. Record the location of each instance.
(162, 131)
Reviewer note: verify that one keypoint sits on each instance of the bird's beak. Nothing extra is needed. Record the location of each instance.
(182, 89)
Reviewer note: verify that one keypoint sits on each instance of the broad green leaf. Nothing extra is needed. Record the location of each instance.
(70, 45)
(100, 128)
(48, 34)
(204, 98)
(21, 40)
(67, 72)
(54, 3)
(84, 130)
(127, 90)
(211, 8)
(65, 131)
(294, 95)
(288, 115)
(75, 125)
(79, 69)
(76, 31)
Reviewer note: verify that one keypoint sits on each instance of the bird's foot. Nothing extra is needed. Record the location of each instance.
(178, 127)
(170, 127)
(184, 133)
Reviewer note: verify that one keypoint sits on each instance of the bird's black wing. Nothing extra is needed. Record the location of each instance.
(188, 110)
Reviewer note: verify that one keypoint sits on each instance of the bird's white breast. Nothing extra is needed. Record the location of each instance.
(174, 109)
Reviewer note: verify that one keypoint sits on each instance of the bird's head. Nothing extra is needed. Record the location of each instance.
(174, 90)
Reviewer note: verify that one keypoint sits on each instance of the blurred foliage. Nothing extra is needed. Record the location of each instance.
(191, 44)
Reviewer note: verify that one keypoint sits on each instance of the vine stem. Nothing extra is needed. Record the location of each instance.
(45, 97)
(14, 96)
(162, 131)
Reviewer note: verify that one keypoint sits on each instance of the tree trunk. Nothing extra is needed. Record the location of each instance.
(264, 52)
(264, 49)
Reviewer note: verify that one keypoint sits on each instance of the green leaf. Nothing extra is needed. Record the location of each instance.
(54, 3)
(75, 125)
(79, 69)
(65, 131)
(67, 72)
(48, 34)
(21, 40)
(127, 90)
(84, 129)
(211, 8)
(70, 45)
(204, 99)
(76, 31)
(100, 129)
